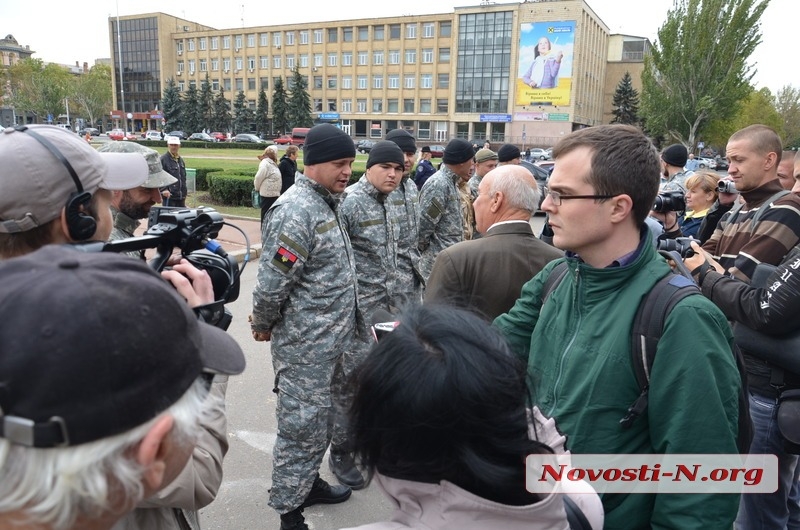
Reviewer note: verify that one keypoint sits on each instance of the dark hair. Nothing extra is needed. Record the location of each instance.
(442, 398)
(624, 161)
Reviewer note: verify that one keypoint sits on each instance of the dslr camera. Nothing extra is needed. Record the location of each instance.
(726, 186)
(670, 201)
(681, 245)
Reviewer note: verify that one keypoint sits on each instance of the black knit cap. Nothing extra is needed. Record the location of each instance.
(386, 151)
(458, 151)
(675, 155)
(403, 139)
(326, 142)
(508, 152)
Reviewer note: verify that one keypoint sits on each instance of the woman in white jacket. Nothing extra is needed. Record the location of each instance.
(439, 420)
(268, 179)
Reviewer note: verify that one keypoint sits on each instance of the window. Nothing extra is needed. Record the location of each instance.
(180, 66)
(276, 39)
(347, 34)
(214, 43)
(263, 39)
(264, 83)
(444, 81)
(179, 46)
(347, 105)
(239, 83)
(332, 59)
(276, 61)
(304, 36)
(444, 55)
(377, 105)
(424, 129)
(214, 65)
(362, 105)
(411, 56)
(290, 62)
(317, 105)
(441, 106)
(363, 57)
(227, 83)
(190, 45)
(226, 64)
(226, 42)
(239, 62)
(394, 81)
(251, 40)
(332, 81)
(290, 38)
(347, 58)
(427, 55)
(215, 85)
(333, 35)
(425, 106)
(317, 36)
(428, 30)
(251, 83)
(411, 31)
(317, 60)
(191, 66)
(237, 41)
(182, 86)
(377, 58)
(410, 81)
(378, 32)
(394, 56)
(331, 105)
(377, 81)
(251, 62)
(347, 82)
(426, 81)
(408, 105)
(394, 31)
(363, 33)
(264, 60)
(203, 65)
(303, 60)
(318, 82)
(445, 29)
(362, 82)
(375, 129)
(203, 43)
(392, 106)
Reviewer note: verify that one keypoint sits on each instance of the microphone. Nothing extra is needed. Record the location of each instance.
(383, 322)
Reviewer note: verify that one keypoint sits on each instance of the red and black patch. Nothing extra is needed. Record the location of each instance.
(284, 259)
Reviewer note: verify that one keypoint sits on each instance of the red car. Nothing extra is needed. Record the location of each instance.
(221, 137)
(437, 151)
(119, 134)
(283, 140)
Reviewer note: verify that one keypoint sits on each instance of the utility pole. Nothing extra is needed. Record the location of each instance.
(121, 82)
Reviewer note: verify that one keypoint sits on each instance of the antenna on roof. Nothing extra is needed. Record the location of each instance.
(242, 15)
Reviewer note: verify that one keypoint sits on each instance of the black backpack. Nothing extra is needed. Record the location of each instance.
(648, 326)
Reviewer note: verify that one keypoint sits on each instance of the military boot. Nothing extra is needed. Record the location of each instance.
(344, 468)
(323, 493)
(294, 520)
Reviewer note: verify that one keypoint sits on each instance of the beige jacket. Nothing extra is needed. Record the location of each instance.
(268, 178)
(175, 507)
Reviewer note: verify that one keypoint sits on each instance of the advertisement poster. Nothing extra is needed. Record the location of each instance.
(546, 51)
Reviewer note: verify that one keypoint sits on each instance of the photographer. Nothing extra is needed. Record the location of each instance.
(701, 192)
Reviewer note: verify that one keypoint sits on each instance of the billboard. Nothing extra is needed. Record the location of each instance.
(546, 52)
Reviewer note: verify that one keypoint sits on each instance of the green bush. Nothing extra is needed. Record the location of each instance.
(231, 190)
(201, 177)
(207, 145)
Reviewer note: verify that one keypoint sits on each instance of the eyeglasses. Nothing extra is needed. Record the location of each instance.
(556, 197)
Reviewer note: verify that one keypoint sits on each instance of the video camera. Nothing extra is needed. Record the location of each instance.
(670, 201)
(726, 186)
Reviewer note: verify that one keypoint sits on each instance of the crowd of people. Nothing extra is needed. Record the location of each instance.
(501, 345)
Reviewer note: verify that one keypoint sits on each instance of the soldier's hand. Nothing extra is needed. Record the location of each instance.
(262, 336)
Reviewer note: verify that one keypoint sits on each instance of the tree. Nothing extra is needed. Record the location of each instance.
(39, 88)
(206, 103)
(262, 113)
(697, 70)
(172, 107)
(192, 113)
(757, 107)
(787, 103)
(626, 102)
(92, 93)
(242, 116)
(221, 114)
(280, 108)
(298, 112)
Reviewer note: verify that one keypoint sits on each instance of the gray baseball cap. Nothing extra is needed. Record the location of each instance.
(157, 177)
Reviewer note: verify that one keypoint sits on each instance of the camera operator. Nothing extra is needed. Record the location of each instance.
(727, 195)
(79, 184)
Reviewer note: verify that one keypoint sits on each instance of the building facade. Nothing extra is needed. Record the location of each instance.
(10, 54)
(526, 73)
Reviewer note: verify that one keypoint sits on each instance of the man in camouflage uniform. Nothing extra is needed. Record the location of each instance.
(305, 303)
(130, 206)
(405, 199)
(441, 220)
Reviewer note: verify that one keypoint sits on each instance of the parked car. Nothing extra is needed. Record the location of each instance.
(547, 165)
(541, 175)
(706, 163)
(202, 137)
(220, 136)
(721, 163)
(153, 135)
(248, 138)
(180, 134)
(283, 140)
(437, 151)
(537, 153)
(364, 146)
(119, 134)
(91, 130)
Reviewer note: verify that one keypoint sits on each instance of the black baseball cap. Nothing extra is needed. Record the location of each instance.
(95, 344)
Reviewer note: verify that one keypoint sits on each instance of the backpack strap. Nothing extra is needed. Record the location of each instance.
(575, 517)
(557, 274)
(766, 206)
(648, 326)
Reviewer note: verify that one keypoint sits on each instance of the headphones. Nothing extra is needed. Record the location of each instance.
(79, 225)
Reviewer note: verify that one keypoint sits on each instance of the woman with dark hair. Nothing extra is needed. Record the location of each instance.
(439, 420)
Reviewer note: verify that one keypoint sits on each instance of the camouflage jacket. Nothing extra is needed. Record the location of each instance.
(124, 228)
(306, 293)
(405, 203)
(441, 221)
(369, 219)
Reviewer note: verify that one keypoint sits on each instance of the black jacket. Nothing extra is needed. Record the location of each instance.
(288, 168)
(177, 169)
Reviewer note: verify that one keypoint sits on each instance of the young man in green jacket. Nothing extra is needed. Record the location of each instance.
(578, 343)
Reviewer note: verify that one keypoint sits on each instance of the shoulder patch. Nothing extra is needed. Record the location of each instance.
(284, 259)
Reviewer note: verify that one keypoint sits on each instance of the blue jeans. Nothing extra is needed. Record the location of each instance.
(770, 511)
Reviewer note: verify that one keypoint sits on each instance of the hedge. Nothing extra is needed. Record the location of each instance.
(207, 145)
